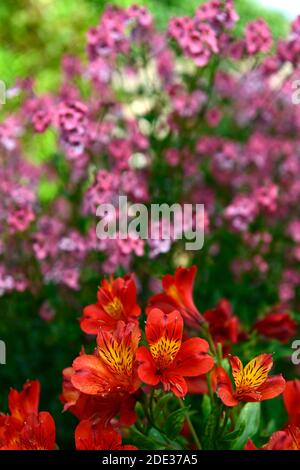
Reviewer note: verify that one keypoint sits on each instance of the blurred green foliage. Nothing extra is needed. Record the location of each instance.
(36, 33)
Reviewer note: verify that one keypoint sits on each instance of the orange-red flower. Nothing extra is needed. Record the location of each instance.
(178, 295)
(251, 382)
(168, 360)
(106, 407)
(21, 404)
(291, 398)
(112, 368)
(277, 325)
(26, 428)
(116, 300)
(93, 435)
(223, 325)
(36, 433)
(287, 439)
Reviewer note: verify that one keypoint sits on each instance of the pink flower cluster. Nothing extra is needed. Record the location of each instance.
(149, 127)
(202, 36)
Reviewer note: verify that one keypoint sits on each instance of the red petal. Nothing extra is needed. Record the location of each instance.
(280, 440)
(176, 383)
(236, 365)
(90, 376)
(93, 318)
(93, 435)
(160, 324)
(163, 302)
(272, 387)
(21, 404)
(147, 369)
(38, 432)
(192, 359)
(291, 398)
(197, 385)
(128, 299)
(249, 445)
(224, 388)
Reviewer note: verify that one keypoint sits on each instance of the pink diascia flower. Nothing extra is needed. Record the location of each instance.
(258, 37)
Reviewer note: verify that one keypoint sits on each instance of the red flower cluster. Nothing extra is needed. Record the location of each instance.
(102, 388)
(26, 428)
(117, 367)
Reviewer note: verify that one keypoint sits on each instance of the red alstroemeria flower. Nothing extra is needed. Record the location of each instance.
(277, 325)
(287, 439)
(106, 407)
(93, 435)
(36, 433)
(178, 295)
(26, 428)
(223, 325)
(291, 398)
(168, 360)
(251, 382)
(112, 368)
(116, 300)
(21, 404)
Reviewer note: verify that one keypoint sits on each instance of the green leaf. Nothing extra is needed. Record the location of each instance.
(248, 424)
(210, 427)
(156, 435)
(164, 441)
(162, 406)
(144, 442)
(232, 436)
(139, 410)
(175, 422)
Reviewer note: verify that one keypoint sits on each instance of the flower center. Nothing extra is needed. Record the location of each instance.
(251, 377)
(117, 356)
(172, 291)
(164, 351)
(114, 308)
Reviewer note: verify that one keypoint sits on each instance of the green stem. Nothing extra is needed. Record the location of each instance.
(219, 353)
(190, 424)
(151, 404)
(232, 418)
(210, 390)
(223, 428)
(207, 336)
